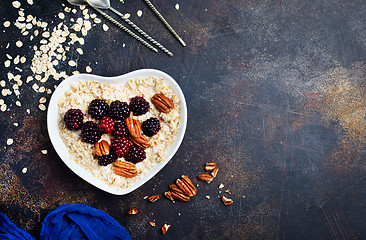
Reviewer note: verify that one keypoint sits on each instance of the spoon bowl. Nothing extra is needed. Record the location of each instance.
(103, 4)
(77, 2)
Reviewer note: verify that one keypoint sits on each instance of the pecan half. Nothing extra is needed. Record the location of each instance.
(124, 169)
(154, 198)
(210, 166)
(214, 171)
(189, 184)
(165, 228)
(162, 103)
(185, 189)
(168, 195)
(134, 127)
(180, 196)
(175, 188)
(132, 211)
(101, 148)
(206, 177)
(226, 201)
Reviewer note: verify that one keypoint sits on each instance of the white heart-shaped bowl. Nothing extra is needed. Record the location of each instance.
(61, 149)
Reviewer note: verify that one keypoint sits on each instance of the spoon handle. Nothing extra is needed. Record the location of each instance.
(147, 36)
(126, 30)
(157, 13)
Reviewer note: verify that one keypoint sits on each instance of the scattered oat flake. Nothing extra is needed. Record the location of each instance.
(72, 63)
(139, 13)
(16, 124)
(221, 186)
(44, 152)
(3, 107)
(145, 197)
(42, 107)
(16, 4)
(177, 6)
(10, 141)
(88, 69)
(208, 197)
(30, 2)
(127, 15)
(19, 104)
(24, 170)
(80, 51)
(19, 43)
(42, 100)
(105, 27)
(7, 63)
(6, 24)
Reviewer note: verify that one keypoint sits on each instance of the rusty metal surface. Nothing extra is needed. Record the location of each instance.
(276, 97)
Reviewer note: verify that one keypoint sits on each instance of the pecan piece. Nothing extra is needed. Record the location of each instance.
(206, 177)
(162, 103)
(101, 148)
(134, 127)
(210, 166)
(226, 201)
(185, 189)
(152, 224)
(180, 196)
(165, 228)
(168, 195)
(189, 184)
(132, 211)
(154, 198)
(214, 171)
(124, 169)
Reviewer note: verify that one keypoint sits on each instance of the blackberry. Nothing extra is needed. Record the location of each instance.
(151, 126)
(106, 125)
(104, 160)
(136, 154)
(139, 106)
(120, 146)
(90, 132)
(73, 119)
(120, 129)
(98, 108)
(119, 110)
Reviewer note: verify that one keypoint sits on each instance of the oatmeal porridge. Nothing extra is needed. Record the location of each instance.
(82, 93)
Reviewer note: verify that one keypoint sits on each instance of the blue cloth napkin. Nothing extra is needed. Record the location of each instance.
(8, 230)
(70, 221)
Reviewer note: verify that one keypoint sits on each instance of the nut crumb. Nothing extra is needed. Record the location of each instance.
(177, 6)
(44, 152)
(88, 69)
(221, 186)
(208, 197)
(152, 224)
(105, 27)
(165, 228)
(133, 211)
(139, 13)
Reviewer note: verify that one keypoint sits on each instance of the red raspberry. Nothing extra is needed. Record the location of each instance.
(106, 125)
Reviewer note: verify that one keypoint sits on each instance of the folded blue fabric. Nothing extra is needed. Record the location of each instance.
(79, 221)
(8, 230)
(69, 222)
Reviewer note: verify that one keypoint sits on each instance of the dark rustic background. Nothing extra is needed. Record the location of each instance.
(276, 97)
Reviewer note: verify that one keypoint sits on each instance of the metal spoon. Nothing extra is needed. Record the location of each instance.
(106, 4)
(82, 2)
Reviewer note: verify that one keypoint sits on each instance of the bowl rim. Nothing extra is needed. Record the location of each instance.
(61, 149)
